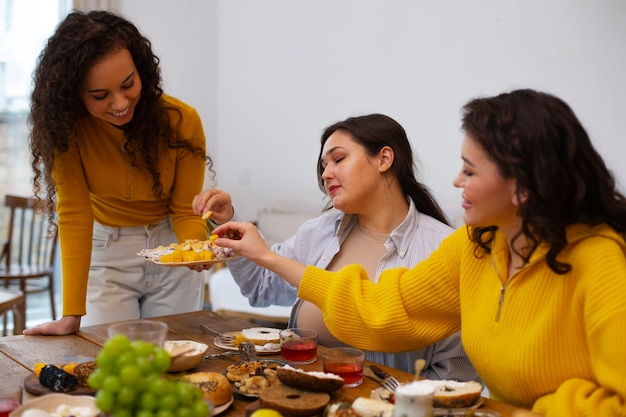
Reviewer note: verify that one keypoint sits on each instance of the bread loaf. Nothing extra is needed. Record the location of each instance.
(310, 381)
(293, 402)
(215, 387)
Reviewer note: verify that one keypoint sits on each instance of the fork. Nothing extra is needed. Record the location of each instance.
(221, 354)
(387, 381)
(225, 339)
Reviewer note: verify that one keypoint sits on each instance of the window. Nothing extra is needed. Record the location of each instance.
(25, 25)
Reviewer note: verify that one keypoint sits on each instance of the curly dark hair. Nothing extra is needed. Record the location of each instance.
(536, 138)
(80, 41)
(373, 132)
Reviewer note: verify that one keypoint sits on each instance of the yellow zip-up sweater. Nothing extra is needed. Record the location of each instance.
(95, 181)
(553, 343)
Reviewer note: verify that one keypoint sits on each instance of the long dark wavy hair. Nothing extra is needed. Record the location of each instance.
(80, 41)
(373, 132)
(536, 139)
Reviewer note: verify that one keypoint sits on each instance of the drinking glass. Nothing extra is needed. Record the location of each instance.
(7, 406)
(298, 346)
(345, 362)
(150, 331)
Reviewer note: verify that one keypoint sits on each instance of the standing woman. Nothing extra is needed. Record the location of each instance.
(122, 162)
(384, 218)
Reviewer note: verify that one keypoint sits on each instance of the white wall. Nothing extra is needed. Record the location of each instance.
(268, 76)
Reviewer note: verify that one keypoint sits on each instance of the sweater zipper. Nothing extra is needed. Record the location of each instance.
(502, 289)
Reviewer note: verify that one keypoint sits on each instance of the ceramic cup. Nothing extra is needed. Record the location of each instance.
(346, 362)
(413, 400)
(298, 346)
(150, 331)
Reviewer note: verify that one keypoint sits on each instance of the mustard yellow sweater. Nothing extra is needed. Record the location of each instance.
(95, 181)
(553, 343)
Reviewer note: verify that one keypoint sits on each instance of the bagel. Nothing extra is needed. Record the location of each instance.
(261, 335)
(456, 394)
(449, 394)
(215, 387)
(309, 381)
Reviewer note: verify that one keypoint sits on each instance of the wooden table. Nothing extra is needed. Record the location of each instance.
(18, 354)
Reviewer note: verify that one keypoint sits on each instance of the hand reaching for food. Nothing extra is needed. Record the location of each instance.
(248, 241)
(217, 202)
(252, 246)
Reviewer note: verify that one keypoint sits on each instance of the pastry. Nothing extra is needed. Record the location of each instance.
(215, 387)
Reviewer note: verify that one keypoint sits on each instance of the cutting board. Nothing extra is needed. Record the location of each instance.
(32, 385)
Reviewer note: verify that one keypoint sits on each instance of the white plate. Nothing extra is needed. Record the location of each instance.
(220, 409)
(50, 403)
(260, 350)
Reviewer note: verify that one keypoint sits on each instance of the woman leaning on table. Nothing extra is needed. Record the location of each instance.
(384, 218)
(536, 280)
(123, 161)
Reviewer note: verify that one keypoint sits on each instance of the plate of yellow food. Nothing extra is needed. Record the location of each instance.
(190, 252)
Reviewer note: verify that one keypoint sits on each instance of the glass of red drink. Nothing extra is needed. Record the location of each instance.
(298, 345)
(8, 405)
(346, 362)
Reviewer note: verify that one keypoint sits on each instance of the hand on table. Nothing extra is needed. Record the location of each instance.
(63, 326)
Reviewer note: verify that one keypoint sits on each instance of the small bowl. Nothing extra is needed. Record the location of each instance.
(49, 403)
(192, 354)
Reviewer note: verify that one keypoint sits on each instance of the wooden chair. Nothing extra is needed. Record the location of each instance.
(29, 252)
(13, 302)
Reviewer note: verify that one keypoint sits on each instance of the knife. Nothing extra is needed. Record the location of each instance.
(379, 372)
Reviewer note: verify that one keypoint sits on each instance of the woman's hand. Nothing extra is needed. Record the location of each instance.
(252, 246)
(217, 201)
(61, 327)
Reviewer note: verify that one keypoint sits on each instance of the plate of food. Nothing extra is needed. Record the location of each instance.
(266, 340)
(191, 252)
(216, 389)
(70, 378)
(448, 395)
(248, 379)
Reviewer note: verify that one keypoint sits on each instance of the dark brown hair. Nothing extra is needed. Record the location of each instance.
(373, 132)
(537, 139)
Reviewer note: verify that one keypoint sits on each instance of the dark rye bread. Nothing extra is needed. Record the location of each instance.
(309, 381)
(293, 402)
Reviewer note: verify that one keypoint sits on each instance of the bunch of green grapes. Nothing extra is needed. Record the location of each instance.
(130, 382)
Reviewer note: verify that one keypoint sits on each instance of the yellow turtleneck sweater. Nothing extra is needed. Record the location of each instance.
(553, 343)
(95, 181)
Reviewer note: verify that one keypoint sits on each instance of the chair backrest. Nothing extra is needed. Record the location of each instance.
(31, 242)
